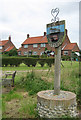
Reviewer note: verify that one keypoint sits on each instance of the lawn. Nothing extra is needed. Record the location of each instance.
(21, 101)
(24, 67)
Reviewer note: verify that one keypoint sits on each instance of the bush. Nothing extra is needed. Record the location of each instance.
(42, 61)
(12, 61)
(16, 61)
(30, 61)
(12, 52)
(5, 61)
(34, 56)
(50, 61)
(66, 57)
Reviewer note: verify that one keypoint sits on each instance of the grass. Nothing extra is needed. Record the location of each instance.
(23, 67)
(33, 84)
(29, 83)
(28, 107)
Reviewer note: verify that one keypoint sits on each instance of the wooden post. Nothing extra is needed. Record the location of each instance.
(57, 70)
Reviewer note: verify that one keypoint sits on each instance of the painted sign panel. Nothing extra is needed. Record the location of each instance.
(55, 33)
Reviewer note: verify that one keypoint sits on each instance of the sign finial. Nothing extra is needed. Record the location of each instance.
(54, 13)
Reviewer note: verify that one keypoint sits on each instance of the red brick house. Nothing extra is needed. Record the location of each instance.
(37, 46)
(6, 45)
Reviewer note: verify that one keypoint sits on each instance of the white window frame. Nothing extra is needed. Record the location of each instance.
(35, 45)
(42, 53)
(0, 47)
(65, 52)
(19, 53)
(43, 45)
(35, 53)
(25, 53)
(25, 46)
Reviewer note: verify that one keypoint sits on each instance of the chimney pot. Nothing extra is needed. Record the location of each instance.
(66, 31)
(28, 35)
(10, 38)
(44, 33)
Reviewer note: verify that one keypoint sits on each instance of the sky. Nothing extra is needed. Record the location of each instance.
(21, 17)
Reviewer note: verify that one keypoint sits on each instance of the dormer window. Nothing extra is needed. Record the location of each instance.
(25, 46)
(0, 47)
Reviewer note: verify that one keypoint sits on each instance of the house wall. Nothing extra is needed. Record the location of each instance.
(66, 41)
(39, 49)
(69, 52)
(30, 47)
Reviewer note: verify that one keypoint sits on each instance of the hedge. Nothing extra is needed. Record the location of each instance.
(12, 61)
(30, 61)
(65, 57)
(16, 61)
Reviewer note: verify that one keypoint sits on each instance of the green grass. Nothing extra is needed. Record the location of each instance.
(12, 95)
(28, 108)
(33, 84)
(70, 76)
(40, 78)
(23, 67)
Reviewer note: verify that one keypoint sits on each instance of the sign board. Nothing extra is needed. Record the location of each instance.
(56, 33)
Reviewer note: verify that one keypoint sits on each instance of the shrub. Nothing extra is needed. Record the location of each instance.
(12, 52)
(30, 61)
(5, 61)
(11, 61)
(50, 61)
(16, 61)
(66, 57)
(42, 61)
(34, 56)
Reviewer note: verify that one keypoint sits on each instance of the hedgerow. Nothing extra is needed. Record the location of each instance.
(16, 61)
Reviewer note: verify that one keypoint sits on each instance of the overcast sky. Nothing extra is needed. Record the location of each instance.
(21, 17)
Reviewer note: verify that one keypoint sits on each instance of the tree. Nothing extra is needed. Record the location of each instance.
(12, 52)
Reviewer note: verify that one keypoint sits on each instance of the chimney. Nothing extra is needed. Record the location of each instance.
(44, 33)
(66, 31)
(9, 38)
(28, 36)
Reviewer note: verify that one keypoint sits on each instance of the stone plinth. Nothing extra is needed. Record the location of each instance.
(54, 106)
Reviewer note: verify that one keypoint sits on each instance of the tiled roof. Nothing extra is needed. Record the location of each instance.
(70, 46)
(2, 43)
(19, 49)
(33, 40)
(9, 48)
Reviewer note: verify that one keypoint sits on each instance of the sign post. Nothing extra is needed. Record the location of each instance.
(55, 36)
(57, 70)
(56, 103)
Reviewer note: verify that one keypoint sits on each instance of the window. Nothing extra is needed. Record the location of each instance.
(34, 53)
(43, 45)
(25, 53)
(0, 47)
(65, 52)
(19, 53)
(35, 45)
(25, 46)
(42, 53)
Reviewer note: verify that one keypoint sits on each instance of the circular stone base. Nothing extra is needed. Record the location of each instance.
(54, 106)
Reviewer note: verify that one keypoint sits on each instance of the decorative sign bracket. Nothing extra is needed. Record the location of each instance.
(54, 13)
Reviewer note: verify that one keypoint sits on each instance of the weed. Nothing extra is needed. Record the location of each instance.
(33, 84)
(29, 107)
(12, 95)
